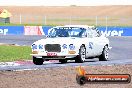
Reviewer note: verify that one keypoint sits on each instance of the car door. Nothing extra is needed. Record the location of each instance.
(98, 42)
(89, 44)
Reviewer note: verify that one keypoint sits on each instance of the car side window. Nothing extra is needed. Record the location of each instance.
(89, 34)
(96, 33)
(84, 34)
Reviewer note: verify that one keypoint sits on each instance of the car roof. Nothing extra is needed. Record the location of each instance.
(82, 26)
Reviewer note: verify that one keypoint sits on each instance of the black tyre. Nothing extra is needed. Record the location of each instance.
(104, 55)
(63, 61)
(82, 55)
(38, 61)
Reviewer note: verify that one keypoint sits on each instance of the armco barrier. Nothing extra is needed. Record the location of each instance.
(43, 30)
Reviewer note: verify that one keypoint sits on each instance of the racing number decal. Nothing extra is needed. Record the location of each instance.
(91, 45)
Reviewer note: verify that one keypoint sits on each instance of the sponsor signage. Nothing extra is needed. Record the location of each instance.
(82, 77)
(3, 31)
(116, 31)
(45, 30)
(33, 30)
(11, 30)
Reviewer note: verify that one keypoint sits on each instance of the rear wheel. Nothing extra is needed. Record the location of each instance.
(63, 61)
(82, 55)
(37, 61)
(104, 55)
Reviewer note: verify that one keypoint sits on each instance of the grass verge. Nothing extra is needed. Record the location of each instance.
(11, 24)
(14, 53)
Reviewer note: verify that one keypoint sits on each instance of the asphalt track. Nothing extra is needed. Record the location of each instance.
(121, 53)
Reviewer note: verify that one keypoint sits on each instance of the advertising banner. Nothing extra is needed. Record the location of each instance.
(116, 31)
(44, 30)
(33, 30)
(11, 30)
(106, 31)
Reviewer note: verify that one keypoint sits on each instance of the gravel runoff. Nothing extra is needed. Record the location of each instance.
(62, 77)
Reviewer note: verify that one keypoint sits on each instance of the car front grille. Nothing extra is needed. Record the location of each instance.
(53, 47)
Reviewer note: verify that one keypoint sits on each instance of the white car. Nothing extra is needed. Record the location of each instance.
(71, 42)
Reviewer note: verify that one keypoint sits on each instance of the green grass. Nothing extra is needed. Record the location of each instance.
(14, 53)
(79, 20)
(11, 24)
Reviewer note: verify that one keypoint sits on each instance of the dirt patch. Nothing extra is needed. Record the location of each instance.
(63, 15)
(124, 10)
(63, 77)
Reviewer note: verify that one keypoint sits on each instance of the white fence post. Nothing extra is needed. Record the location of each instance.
(96, 20)
(20, 19)
(70, 20)
(45, 22)
(106, 18)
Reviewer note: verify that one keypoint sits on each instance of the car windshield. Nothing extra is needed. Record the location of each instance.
(66, 32)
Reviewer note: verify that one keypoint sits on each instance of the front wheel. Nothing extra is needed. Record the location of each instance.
(104, 55)
(37, 61)
(82, 55)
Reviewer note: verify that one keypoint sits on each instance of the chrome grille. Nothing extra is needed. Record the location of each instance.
(53, 47)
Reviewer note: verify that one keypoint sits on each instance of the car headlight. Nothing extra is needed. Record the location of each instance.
(39, 46)
(34, 46)
(71, 47)
(64, 46)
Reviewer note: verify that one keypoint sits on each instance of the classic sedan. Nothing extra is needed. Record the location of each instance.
(71, 42)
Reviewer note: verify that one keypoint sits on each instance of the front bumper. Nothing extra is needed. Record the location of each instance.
(58, 56)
